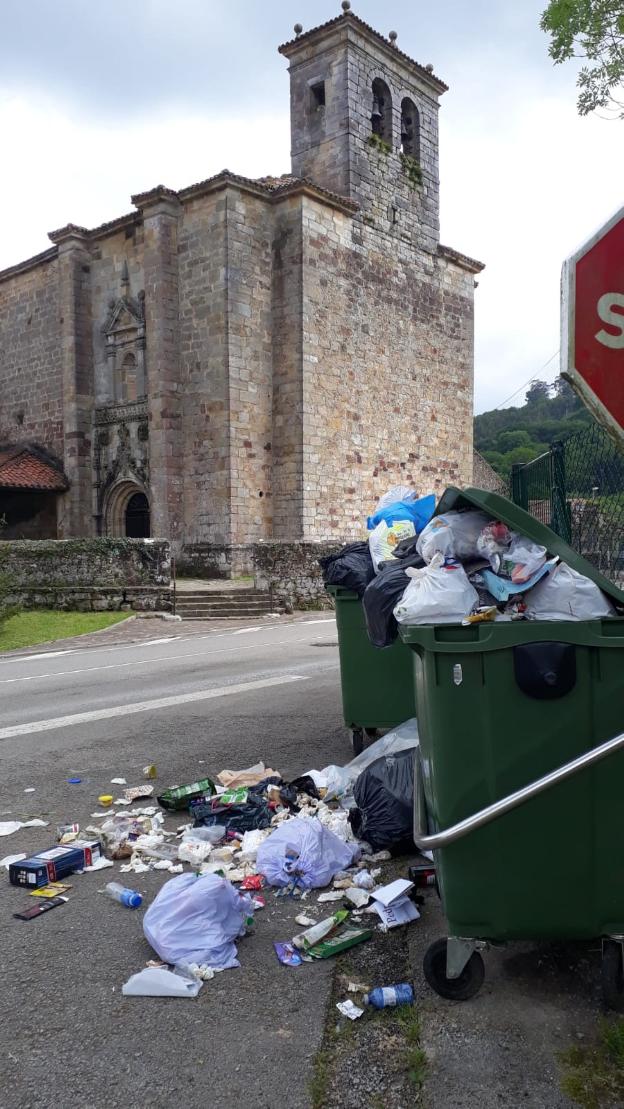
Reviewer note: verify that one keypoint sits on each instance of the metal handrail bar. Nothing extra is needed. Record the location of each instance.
(506, 804)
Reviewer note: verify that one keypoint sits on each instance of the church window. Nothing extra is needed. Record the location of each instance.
(381, 117)
(128, 382)
(318, 94)
(410, 129)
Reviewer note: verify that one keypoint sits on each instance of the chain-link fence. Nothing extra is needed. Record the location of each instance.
(577, 488)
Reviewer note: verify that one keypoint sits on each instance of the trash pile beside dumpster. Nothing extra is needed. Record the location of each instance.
(228, 844)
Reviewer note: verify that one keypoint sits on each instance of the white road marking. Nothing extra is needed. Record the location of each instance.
(146, 706)
(43, 654)
(149, 661)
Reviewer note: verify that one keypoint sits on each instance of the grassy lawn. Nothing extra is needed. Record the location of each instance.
(42, 625)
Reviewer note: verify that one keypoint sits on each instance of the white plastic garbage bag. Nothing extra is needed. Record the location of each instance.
(453, 535)
(565, 594)
(339, 780)
(306, 850)
(398, 493)
(196, 920)
(522, 559)
(160, 982)
(385, 537)
(436, 595)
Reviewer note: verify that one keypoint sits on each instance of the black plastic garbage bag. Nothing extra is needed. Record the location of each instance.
(384, 795)
(380, 598)
(352, 567)
(253, 813)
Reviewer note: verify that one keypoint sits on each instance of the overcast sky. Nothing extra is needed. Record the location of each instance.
(103, 98)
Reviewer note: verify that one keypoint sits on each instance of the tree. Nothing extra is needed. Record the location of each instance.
(508, 440)
(593, 30)
(539, 391)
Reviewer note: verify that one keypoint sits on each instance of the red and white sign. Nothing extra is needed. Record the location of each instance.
(592, 324)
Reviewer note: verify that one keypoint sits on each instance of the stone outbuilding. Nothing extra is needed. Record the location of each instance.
(244, 361)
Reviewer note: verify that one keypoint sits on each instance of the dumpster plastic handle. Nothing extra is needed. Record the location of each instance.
(492, 812)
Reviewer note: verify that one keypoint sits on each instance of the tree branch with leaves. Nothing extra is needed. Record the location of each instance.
(594, 31)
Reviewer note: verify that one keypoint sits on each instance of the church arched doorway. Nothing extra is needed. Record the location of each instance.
(138, 517)
(127, 511)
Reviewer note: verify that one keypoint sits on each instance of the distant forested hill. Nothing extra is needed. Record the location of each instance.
(508, 435)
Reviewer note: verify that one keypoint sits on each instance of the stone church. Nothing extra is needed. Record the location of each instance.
(251, 360)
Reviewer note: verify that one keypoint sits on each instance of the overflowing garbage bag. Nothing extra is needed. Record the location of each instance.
(394, 524)
(338, 781)
(196, 920)
(352, 567)
(242, 816)
(440, 593)
(453, 535)
(305, 851)
(565, 594)
(383, 594)
(384, 803)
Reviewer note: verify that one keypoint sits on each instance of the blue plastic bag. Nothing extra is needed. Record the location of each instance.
(419, 512)
(306, 850)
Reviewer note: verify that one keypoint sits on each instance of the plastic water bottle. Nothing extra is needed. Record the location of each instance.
(130, 898)
(386, 996)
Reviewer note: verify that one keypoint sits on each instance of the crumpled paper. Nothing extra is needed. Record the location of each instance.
(159, 982)
(8, 827)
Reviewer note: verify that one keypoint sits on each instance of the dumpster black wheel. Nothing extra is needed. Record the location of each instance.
(371, 733)
(612, 975)
(357, 740)
(455, 989)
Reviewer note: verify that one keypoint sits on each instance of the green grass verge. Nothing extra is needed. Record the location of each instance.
(41, 625)
(594, 1075)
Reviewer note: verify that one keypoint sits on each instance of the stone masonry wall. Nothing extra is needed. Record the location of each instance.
(249, 338)
(86, 562)
(387, 355)
(202, 263)
(291, 573)
(31, 398)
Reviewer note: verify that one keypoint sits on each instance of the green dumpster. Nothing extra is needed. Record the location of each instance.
(519, 778)
(377, 685)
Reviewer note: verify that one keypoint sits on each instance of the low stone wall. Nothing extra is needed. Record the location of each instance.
(213, 560)
(291, 573)
(88, 574)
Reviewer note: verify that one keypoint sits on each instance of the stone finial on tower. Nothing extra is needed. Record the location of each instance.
(346, 6)
(298, 28)
(393, 37)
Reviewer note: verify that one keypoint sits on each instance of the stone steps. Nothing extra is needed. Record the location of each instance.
(223, 604)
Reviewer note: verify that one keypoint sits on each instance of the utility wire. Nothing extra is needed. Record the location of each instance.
(531, 379)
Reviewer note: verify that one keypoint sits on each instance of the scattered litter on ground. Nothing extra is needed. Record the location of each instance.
(40, 907)
(55, 863)
(8, 859)
(73, 781)
(105, 799)
(53, 889)
(67, 833)
(252, 776)
(149, 771)
(386, 997)
(99, 864)
(130, 899)
(288, 954)
(136, 792)
(392, 904)
(348, 1009)
(357, 897)
(357, 987)
(331, 895)
(160, 982)
(118, 781)
(305, 921)
(99, 815)
(179, 797)
(8, 827)
(306, 850)
(31, 789)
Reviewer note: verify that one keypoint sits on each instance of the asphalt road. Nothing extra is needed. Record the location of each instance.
(193, 706)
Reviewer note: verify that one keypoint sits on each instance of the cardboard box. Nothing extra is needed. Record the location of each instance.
(55, 864)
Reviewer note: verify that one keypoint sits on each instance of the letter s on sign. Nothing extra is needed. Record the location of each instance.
(605, 308)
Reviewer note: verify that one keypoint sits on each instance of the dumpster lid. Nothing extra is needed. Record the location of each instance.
(516, 518)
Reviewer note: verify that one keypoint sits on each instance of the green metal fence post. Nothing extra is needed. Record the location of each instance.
(518, 485)
(561, 520)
